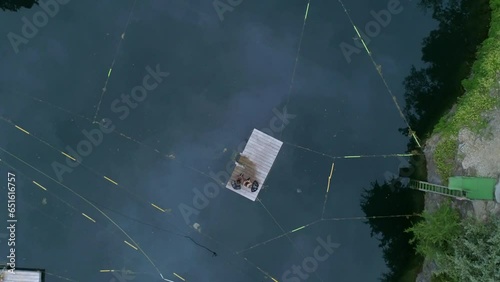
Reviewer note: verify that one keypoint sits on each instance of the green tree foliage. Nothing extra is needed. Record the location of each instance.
(433, 235)
(475, 253)
(465, 251)
(14, 5)
(449, 51)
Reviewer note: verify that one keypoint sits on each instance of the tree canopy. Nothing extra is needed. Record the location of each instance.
(464, 251)
(14, 5)
(449, 52)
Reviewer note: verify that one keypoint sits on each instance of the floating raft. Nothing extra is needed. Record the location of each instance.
(23, 276)
(255, 162)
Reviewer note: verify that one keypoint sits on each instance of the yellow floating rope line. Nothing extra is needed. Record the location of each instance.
(351, 156)
(285, 233)
(379, 71)
(277, 237)
(80, 163)
(92, 205)
(60, 277)
(114, 60)
(295, 66)
(327, 219)
(327, 189)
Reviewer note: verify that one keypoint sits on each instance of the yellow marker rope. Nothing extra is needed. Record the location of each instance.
(140, 199)
(327, 189)
(60, 277)
(379, 70)
(114, 60)
(295, 66)
(285, 233)
(89, 203)
(39, 185)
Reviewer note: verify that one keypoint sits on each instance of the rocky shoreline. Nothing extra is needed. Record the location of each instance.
(478, 155)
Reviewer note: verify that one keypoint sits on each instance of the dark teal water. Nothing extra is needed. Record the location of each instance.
(226, 77)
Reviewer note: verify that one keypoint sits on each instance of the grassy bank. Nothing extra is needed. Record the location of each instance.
(478, 97)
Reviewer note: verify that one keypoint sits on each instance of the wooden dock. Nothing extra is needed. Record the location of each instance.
(22, 276)
(256, 161)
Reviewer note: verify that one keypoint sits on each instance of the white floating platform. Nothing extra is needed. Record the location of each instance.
(22, 276)
(255, 162)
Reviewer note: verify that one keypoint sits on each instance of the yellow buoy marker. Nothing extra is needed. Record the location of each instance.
(68, 156)
(110, 180)
(20, 128)
(330, 178)
(88, 217)
(307, 11)
(157, 207)
(130, 245)
(39, 185)
(180, 277)
(297, 229)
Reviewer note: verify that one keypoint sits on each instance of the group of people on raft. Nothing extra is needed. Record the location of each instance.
(253, 185)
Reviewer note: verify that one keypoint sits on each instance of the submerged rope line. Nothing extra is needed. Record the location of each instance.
(114, 60)
(350, 156)
(277, 237)
(368, 217)
(56, 107)
(159, 228)
(92, 205)
(295, 66)
(137, 197)
(25, 202)
(123, 135)
(48, 191)
(285, 233)
(321, 220)
(318, 220)
(266, 274)
(260, 269)
(60, 277)
(379, 71)
(124, 272)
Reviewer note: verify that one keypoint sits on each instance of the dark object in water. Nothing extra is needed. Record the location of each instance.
(255, 186)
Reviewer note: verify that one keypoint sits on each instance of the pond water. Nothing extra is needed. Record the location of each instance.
(226, 76)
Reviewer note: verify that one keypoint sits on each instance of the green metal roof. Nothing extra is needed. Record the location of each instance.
(477, 188)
